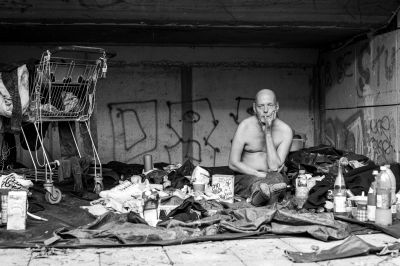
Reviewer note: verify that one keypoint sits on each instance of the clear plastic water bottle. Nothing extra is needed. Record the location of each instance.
(393, 184)
(339, 193)
(301, 194)
(383, 213)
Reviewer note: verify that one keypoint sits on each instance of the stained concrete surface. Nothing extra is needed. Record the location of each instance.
(235, 252)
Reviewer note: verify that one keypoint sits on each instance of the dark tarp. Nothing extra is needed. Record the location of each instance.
(115, 229)
(353, 246)
(65, 214)
(392, 230)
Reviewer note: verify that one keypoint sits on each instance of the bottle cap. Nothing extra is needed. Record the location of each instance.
(382, 168)
(375, 172)
(302, 171)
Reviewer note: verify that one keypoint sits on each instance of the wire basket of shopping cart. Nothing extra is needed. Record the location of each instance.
(63, 89)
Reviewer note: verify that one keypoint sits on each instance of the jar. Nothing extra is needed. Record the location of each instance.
(362, 212)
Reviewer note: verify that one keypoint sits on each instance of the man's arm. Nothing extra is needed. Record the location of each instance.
(276, 155)
(235, 156)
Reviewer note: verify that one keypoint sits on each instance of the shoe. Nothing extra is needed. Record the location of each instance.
(122, 186)
(269, 190)
(265, 192)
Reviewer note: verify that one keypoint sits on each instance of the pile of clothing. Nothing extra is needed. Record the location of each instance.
(322, 161)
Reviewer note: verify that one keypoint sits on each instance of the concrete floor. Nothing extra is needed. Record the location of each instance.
(232, 253)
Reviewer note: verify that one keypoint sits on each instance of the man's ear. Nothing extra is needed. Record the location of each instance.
(277, 106)
(254, 108)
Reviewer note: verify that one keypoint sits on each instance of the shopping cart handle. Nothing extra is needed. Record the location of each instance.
(75, 48)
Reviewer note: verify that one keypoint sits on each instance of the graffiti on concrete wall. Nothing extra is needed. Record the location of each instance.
(192, 117)
(373, 138)
(343, 66)
(135, 129)
(368, 131)
(346, 135)
(364, 73)
(388, 56)
(383, 58)
(134, 134)
(248, 107)
(380, 140)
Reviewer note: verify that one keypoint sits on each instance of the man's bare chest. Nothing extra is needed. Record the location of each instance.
(257, 141)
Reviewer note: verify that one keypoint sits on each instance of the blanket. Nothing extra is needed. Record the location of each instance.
(14, 96)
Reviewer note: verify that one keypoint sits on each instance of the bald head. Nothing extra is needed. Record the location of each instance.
(265, 105)
(265, 93)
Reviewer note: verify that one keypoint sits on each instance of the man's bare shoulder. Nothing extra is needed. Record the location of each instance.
(251, 121)
(283, 127)
(248, 123)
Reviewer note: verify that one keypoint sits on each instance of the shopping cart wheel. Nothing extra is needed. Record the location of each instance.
(98, 187)
(55, 197)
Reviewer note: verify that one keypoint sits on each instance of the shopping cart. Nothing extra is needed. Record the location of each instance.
(64, 89)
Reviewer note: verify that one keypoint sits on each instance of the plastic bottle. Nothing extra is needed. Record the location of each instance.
(371, 202)
(383, 213)
(393, 184)
(339, 193)
(301, 194)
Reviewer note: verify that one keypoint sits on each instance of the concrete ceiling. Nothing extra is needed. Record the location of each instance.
(265, 23)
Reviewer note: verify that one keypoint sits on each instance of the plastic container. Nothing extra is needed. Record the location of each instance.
(393, 182)
(393, 195)
(383, 214)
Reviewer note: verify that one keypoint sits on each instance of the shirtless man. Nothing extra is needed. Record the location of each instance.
(259, 149)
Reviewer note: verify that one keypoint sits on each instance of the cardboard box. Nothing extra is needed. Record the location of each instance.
(223, 186)
(16, 210)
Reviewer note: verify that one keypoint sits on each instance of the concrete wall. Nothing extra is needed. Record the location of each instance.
(361, 97)
(148, 104)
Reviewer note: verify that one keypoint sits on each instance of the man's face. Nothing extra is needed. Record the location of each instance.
(265, 107)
